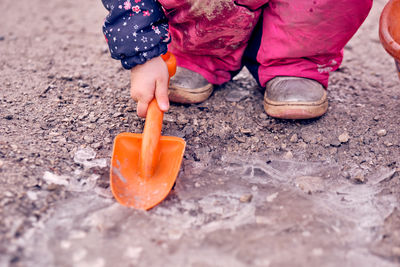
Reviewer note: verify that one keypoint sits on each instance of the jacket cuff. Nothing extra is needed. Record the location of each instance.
(143, 57)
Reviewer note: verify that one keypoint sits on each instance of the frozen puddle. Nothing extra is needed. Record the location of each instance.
(82, 179)
(275, 213)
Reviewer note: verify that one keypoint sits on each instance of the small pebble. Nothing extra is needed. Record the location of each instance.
(335, 143)
(83, 84)
(376, 118)
(388, 144)
(32, 195)
(88, 139)
(1, 164)
(118, 114)
(97, 145)
(344, 138)
(263, 116)
(53, 187)
(288, 155)
(246, 131)
(381, 132)
(8, 194)
(77, 75)
(240, 139)
(359, 178)
(294, 138)
(246, 198)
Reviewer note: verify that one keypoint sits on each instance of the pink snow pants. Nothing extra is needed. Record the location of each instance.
(303, 38)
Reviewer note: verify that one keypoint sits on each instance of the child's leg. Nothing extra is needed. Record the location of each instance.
(303, 38)
(209, 37)
(295, 46)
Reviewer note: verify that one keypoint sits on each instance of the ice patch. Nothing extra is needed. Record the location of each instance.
(85, 156)
(80, 180)
(52, 178)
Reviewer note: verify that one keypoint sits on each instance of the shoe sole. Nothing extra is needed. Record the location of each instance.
(296, 110)
(189, 96)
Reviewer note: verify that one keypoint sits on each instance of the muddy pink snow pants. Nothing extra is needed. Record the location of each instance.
(303, 38)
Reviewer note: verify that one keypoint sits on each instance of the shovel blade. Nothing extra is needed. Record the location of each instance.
(127, 185)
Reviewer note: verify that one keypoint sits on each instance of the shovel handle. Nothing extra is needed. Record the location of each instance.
(150, 151)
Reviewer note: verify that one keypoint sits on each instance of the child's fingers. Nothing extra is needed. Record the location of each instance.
(141, 108)
(161, 94)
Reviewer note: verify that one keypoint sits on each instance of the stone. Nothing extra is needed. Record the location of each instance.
(240, 139)
(263, 116)
(32, 195)
(82, 84)
(388, 144)
(381, 132)
(246, 198)
(359, 178)
(246, 131)
(288, 155)
(8, 194)
(88, 139)
(335, 143)
(294, 138)
(182, 119)
(344, 137)
(97, 145)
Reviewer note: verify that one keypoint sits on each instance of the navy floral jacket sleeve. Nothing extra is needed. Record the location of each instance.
(135, 30)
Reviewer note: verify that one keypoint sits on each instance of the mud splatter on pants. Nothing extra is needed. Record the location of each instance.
(302, 38)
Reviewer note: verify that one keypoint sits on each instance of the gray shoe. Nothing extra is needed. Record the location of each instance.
(188, 87)
(295, 98)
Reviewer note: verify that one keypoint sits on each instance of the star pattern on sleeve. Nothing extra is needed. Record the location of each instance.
(135, 30)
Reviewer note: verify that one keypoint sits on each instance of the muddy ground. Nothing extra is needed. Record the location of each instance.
(252, 191)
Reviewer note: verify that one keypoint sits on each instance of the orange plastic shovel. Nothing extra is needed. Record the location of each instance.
(144, 166)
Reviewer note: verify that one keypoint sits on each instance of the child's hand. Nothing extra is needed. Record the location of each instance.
(150, 80)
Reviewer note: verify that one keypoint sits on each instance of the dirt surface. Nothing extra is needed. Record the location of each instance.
(252, 191)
